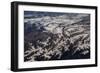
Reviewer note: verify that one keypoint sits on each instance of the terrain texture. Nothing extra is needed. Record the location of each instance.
(56, 36)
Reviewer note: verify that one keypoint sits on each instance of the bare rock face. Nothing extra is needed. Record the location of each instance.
(58, 37)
